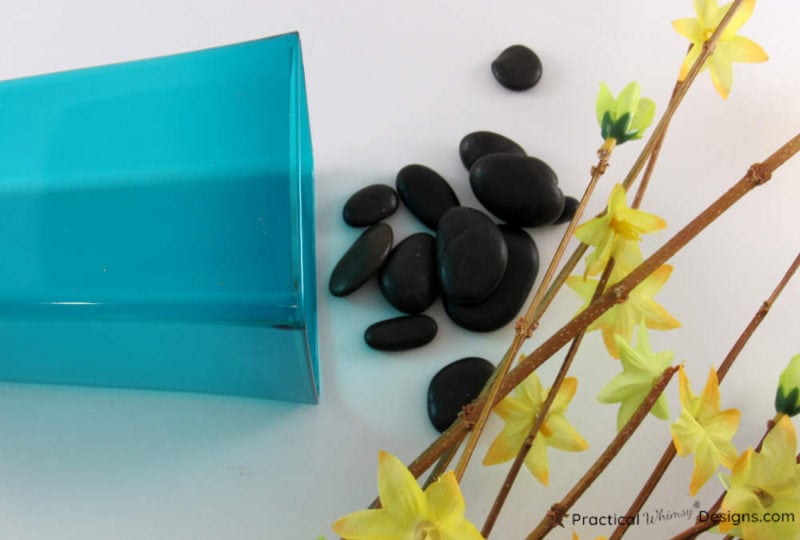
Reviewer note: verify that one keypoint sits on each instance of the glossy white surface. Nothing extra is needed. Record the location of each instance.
(392, 84)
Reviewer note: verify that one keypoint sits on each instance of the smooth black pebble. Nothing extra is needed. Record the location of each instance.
(570, 206)
(471, 255)
(370, 205)
(455, 386)
(425, 193)
(482, 143)
(519, 190)
(507, 299)
(408, 280)
(362, 260)
(401, 333)
(517, 68)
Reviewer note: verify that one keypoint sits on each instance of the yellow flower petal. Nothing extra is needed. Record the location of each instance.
(369, 525)
(398, 489)
(444, 497)
(741, 16)
(744, 50)
(721, 73)
(536, 460)
(689, 28)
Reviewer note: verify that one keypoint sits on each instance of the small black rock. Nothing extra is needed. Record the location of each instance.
(425, 193)
(401, 333)
(482, 143)
(519, 190)
(517, 68)
(362, 260)
(455, 386)
(471, 255)
(408, 279)
(507, 299)
(570, 206)
(370, 205)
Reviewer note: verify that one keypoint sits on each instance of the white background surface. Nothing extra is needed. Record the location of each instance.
(391, 84)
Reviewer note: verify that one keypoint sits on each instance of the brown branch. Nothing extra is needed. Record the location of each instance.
(557, 511)
(527, 324)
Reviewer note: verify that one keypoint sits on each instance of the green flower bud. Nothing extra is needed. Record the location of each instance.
(787, 399)
(625, 118)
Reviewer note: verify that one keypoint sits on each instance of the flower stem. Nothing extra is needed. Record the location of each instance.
(756, 175)
(527, 324)
(541, 416)
(557, 511)
(670, 452)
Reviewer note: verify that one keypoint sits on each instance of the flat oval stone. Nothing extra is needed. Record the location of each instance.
(362, 260)
(517, 68)
(455, 386)
(408, 279)
(401, 333)
(506, 301)
(570, 206)
(482, 143)
(425, 193)
(471, 255)
(519, 190)
(370, 205)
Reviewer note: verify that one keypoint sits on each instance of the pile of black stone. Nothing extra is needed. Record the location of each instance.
(483, 270)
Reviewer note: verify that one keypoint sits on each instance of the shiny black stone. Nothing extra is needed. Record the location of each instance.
(455, 386)
(570, 206)
(370, 205)
(401, 333)
(471, 255)
(425, 193)
(517, 68)
(482, 143)
(519, 190)
(362, 260)
(506, 301)
(408, 279)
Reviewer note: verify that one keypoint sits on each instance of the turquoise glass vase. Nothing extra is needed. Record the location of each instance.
(157, 225)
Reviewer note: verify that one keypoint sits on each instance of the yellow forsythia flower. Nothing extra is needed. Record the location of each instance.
(730, 47)
(616, 234)
(765, 482)
(519, 412)
(407, 512)
(621, 319)
(703, 430)
(641, 367)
